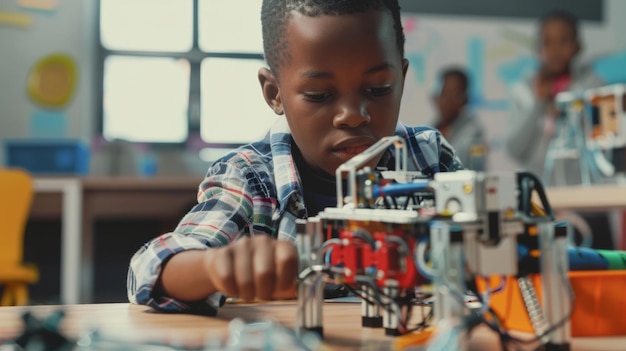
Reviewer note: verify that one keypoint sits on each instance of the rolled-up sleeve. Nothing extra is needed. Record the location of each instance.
(233, 200)
(432, 153)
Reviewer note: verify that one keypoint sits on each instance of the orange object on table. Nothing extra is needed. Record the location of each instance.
(599, 303)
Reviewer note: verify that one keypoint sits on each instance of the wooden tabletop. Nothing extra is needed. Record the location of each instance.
(593, 197)
(139, 323)
(342, 325)
(139, 183)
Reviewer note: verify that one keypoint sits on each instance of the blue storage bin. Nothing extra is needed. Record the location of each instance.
(48, 156)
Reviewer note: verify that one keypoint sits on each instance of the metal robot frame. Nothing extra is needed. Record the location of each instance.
(477, 224)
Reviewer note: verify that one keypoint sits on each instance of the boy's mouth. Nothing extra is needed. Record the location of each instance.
(346, 151)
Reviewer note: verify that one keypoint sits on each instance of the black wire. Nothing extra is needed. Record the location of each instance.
(528, 182)
(405, 304)
(359, 293)
(504, 334)
(406, 202)
(395, 203)
(387, 204)
(425, 321)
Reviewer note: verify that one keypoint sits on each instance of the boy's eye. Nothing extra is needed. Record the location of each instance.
(317, 97)
(379, 91)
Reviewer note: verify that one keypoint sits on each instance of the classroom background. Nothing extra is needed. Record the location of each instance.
(158, 91)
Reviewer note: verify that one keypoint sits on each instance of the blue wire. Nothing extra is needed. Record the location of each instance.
(417, 265)
(327, 256)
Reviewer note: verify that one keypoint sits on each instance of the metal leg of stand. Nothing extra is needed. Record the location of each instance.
(370, 312)
(391, 315)
(310, 303)
(311, 288)
(447, 255)
(556, 292)
(548, 168)
(583, 161)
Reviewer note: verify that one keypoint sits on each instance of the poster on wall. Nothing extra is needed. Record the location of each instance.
(52, 81)
(15, 19)
(48, 124)
(39, 5)
(50, 85)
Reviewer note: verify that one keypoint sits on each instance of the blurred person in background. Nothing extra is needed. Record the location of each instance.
(462, 130)
(532, 121)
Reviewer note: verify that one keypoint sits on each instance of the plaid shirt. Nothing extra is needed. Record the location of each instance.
(254, 189)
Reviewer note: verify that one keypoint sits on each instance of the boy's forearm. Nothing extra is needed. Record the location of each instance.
(184, 277)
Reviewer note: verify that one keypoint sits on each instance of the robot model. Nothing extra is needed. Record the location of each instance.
(567, 147)
(607, 137)
(471, 225)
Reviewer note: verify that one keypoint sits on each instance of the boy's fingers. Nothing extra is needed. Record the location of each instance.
(242, 263)
(222, 271)
(286, 258)
(263, 265)
(290, 293)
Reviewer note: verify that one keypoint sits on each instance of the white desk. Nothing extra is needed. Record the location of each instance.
(71, 223)
(84, 199)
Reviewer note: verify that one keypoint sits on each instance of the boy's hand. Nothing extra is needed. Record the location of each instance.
(542, 86)
(258, 267)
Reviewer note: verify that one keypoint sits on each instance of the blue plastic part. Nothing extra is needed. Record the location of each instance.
(522, 251)
(399, 188)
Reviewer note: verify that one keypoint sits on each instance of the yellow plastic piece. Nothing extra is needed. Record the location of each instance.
(16, 194)
(468, 188)
(413, 339)
(537, 210)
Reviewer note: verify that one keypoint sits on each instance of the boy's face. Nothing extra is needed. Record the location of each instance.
(558, 47)
(341, 87)
(451, 99)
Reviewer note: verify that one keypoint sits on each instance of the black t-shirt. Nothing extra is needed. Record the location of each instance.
(319, 188)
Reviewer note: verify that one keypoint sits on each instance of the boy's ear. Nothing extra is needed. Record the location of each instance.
(405, 67)
(271, 91)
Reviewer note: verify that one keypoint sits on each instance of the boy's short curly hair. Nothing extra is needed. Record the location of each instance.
(276, 13)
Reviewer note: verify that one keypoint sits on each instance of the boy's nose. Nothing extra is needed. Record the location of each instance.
(351, 115)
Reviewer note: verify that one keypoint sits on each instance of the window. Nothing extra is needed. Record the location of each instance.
(146, 98)
(172, 69)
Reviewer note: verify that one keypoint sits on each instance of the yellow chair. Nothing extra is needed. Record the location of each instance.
(16, 194)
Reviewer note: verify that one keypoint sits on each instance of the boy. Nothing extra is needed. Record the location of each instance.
(336, 72)
(461, 129)
(533, 118)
